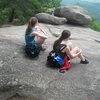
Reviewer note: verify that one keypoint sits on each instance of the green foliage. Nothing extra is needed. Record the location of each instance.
(95, 25)
(53, 3)
(55, 34)
(3, 17)
(23, 9)
(19, 21)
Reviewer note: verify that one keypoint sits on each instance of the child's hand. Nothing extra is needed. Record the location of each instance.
(80, 50)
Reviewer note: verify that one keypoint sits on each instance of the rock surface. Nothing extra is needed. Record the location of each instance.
(27, 77)
(50, 11)
(74, 14)
(50, 19)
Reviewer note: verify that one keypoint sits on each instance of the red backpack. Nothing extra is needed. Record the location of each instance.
(66, 64)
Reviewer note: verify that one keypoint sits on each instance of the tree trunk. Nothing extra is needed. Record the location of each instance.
(12, 15)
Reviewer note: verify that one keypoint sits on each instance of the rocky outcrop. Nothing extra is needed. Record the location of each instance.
(26, 77)
(74, 14)
(50, 19)
(50, 11)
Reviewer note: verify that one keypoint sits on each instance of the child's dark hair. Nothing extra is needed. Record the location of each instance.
(64, 35)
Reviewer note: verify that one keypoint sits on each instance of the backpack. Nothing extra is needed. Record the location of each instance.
(55, 59)
(32, 50)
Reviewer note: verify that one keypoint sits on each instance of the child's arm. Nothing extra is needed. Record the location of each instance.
(38, 34)
(40, 29)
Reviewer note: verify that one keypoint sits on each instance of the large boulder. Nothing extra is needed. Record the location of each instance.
(50, 19)
(50, 11)
(74, 14)
(31, 78)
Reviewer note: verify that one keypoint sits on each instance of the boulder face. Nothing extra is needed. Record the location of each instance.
(32, 78)
(50, 19)
(74, 14)
(50, 11)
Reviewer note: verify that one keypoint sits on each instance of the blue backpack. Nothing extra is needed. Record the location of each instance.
(55, 58)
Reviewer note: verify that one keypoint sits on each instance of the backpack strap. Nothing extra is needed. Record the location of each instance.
(63, 46)
(60, 48)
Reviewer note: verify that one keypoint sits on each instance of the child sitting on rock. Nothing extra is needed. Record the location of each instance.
(71, 52)
(34, 33)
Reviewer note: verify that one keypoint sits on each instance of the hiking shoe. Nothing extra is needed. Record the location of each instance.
(67, 69)
(42, 48)
(84, 62)
(62, 71)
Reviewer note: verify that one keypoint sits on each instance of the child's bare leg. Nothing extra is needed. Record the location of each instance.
(40, 40)
(75, 51)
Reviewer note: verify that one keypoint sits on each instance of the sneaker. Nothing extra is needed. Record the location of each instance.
(67, 69)
(84, 62)
(43, 49)
(62, 71)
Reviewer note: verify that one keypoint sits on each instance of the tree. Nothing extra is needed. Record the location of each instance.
(23, 9)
